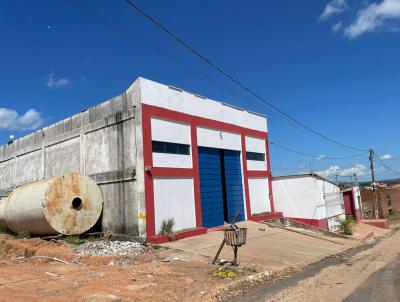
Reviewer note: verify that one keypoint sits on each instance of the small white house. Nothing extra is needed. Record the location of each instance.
(309, 199)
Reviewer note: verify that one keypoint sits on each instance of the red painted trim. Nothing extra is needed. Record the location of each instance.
(271, 194)
(266, 217)
(149, 111)
(196, 175)
(358, 215)
(148, 179)
(321, 223)
(245, 176)
(257, 174)
(179, 235)
(171, 172)
(199, 121)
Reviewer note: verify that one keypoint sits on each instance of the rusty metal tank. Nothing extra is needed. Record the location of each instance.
(70, 204)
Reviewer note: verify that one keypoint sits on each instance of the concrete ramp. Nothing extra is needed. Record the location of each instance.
(267, 247)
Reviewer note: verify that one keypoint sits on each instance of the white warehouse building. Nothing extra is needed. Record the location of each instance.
(157, 152)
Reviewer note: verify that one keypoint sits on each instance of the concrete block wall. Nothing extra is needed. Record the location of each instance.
(103, 142)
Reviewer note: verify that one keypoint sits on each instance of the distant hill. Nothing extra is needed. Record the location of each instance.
(388, 181)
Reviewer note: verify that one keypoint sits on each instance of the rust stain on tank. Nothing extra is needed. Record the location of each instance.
(75, 184)
(54, 197)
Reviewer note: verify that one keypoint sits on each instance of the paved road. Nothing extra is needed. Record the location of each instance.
(383, 285)
(367, 273)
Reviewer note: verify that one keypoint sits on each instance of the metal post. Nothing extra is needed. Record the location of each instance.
(371, 160)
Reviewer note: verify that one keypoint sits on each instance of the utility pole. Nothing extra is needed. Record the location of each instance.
(371, 160)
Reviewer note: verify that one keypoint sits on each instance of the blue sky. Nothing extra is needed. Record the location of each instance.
(333, 65)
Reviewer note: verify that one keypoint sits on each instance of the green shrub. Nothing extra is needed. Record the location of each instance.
(347, 226)
(167, 228)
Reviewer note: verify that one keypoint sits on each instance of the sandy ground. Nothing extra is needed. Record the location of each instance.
(153, 277)
(98, 278)
(349, 277)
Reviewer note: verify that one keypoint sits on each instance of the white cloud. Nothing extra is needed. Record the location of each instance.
(372, 17)
(322, 156)
(387, 157)
(333, 8)
(53, 83)
(337, 27)
(358, 169)
(11, 120)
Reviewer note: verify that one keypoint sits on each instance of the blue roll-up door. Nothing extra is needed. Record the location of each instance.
(212, 206)
(233, 184)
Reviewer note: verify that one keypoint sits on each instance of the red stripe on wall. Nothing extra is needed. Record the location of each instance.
(171, 172)
(196, 177)
(148, 179)
(257, 174)
(200, 121)
(245, 176)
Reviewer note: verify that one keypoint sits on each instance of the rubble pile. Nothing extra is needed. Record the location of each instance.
(111, 248)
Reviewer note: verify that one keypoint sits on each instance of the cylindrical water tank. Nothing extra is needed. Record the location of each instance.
(70, 204)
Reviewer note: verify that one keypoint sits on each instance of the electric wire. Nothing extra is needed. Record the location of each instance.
(389, 142)
(316, 156)
(85, 8)
(122, 29)
(233, 79)
(382, 163)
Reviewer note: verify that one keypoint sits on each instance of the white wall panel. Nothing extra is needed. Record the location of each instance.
(172, 132)
(254, 144)
(259, 195)
(168, 131)
(174, 198)
(172, 160)
(256, 165)
(218, 139)
(299, 197)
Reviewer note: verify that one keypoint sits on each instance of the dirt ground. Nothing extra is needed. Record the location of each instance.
(148, 277)
(356, 277)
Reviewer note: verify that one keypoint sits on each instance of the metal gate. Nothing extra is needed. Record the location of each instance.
(334, 209)
(233, 182)
(211, 187)
(221, 187)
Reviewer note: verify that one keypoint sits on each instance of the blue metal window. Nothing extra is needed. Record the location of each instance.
(170, 148)
(255, 156)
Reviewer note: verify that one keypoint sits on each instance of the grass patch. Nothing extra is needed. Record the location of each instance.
(347, 226)
(5, 230)
(167, 228)
(23, 235)
(74, 240)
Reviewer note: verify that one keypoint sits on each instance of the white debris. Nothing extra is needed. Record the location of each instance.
(111, 248)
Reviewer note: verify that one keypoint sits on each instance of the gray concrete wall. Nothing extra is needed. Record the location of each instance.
(103, 142)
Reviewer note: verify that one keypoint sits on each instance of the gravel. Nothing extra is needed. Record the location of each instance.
(111, 248)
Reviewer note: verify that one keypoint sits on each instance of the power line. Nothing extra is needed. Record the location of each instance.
(233, 79)
(389, 142)
(313, 155)
(106, 20)
(85, 8)
(382, 163)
